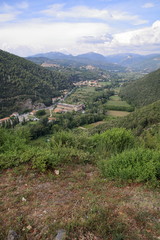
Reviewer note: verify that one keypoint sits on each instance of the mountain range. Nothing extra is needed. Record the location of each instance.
(117, 62)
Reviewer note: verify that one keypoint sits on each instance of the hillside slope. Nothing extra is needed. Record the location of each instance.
(22, 80)
(143, 91)
(143, 118)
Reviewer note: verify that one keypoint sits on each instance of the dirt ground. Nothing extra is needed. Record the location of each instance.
(36, 205)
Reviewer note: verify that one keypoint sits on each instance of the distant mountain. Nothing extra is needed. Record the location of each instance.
(53, 55)
(92, 56)
(143, 91)
(148, 64)
(125, 59)
(95, 59)
(136, 62)
(24, 83)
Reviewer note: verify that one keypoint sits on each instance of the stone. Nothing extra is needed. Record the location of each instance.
(56, 172)
(12, 235)
(29, 227)
(23, 199)
(61, 235)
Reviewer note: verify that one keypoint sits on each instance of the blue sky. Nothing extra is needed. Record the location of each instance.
(69, 26)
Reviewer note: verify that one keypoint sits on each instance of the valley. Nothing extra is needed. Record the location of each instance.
(80, 149)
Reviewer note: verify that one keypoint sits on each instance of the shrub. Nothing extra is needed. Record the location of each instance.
(139, 165)
(40, 113)
(114, 140)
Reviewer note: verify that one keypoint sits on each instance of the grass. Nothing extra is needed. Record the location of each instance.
(105, 83)
(78, 200)
(117, 113)
(92, 125)
(81, 95)
(115, 103)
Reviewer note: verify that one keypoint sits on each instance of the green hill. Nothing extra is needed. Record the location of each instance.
(143, 91)
(22, 81)
(143, 118)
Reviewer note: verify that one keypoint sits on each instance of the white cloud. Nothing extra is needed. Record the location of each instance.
(6, 17)
(9, 13)
(84, 12)
(141, 37)
(148, 5)
(40, 37)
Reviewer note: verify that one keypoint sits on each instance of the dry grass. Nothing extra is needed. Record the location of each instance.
(80, 201)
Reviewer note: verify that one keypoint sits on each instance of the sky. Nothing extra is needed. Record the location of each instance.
(79, 26)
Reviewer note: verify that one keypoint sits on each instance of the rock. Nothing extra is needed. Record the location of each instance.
(29, 227)
(12, 235)
(23, 199)
(61, 235)
(56, 172)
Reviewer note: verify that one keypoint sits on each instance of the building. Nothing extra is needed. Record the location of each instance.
(63, 107)
(4, 119)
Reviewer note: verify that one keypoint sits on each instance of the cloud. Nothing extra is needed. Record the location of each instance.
(148, 5)
(9, 13)
(83, 12)
(41, 37)
(6, 17)
(141, 37)
(98, 39)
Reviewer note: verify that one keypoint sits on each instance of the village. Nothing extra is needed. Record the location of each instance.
(58, 106)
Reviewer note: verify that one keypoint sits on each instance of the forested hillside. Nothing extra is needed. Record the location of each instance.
(21, 79)
(143, 118)
(143, 91)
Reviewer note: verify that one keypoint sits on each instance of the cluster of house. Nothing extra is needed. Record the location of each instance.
(63, 107)
(93, 83)
(88, 67)
(60, 108)
(12, 116)
(20, 117)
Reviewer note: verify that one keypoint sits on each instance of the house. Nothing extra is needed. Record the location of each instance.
(33, 112)
(15, 114)
(55, 99)
(4, 119)
(51, 119)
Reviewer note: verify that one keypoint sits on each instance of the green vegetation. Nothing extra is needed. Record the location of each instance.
(138, 165)
(40, 113)
(22, 80)
(142, 118)
(116, 103)
(144, 91)
(98, 181)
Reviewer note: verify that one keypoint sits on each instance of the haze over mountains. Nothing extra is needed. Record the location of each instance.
(117, 62)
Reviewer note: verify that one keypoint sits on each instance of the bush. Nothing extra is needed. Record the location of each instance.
(114, 140)
(139, 165)
(40, 113)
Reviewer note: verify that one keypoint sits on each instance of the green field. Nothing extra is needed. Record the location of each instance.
(81, 95)
(117, 113)
(115, 103)
(105, 83)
